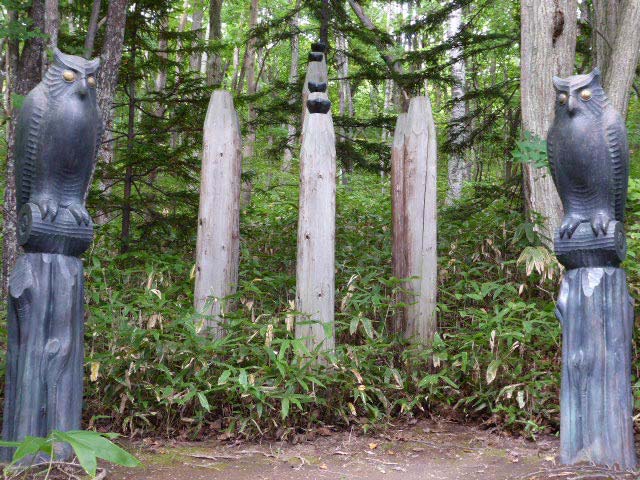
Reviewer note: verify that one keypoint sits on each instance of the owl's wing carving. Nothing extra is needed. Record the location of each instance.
(94, 160)
(618, 151)
(551, 155)
(28, 143)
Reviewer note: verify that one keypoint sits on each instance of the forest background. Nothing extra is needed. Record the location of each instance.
(496, 356)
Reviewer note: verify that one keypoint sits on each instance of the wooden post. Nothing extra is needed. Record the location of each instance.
(415, 218)
(218, 244)
(315, 284)
(398, 242)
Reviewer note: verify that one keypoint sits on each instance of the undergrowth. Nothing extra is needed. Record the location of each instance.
(496, 357)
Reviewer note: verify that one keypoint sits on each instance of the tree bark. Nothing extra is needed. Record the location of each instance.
(90, 39)
(195, 60)
(346, 103)
(315, 283)
(604, 26)
(621, 70)
(131, 135)
(547, 48)
(218, 245)
(459, 167)
(108, 74)
(214, 62)
(419, 193)
(325, 15)
(51, 29)
(250, 73)
(293, 79)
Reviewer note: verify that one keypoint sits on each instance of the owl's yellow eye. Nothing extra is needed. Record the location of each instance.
(68, 76)
(586, 94)
(91, 81)
(562, 98)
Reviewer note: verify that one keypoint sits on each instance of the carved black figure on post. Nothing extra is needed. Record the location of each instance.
(589, 157)
(57, 135)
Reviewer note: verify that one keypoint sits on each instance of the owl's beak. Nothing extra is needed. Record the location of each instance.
(83, 88)
(572, 104)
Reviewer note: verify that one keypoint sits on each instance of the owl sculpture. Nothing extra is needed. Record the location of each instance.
(588, 153)
(57, 136)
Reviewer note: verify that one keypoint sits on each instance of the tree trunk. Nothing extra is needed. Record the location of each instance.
(90, 39)
(214, 62)
(604, 26)
(315, 283)
(459, 168)
(195, 61)
(250, 73)
(621, 70)
(108, 74)
(293, 78)
(420, 220)
(346, 104)
(547, 48)
(218, 247)
(51, 29)
(325, 14)
(398, 231)
(131, 134)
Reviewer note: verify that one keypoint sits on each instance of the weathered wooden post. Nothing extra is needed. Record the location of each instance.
(218, 244)
(57, 134)
(315, 284)
(589, 158)
(414, 195)
(398, 244)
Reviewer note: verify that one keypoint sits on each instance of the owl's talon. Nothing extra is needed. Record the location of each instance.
(48, 208)
(600, 223)
(569, 226)
(80, 214)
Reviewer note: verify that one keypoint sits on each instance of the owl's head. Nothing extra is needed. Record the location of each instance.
(72, 75)
(580, 94)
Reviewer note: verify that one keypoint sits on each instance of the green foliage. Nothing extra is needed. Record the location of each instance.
(88, 446)
(495, 358)
(532, 150)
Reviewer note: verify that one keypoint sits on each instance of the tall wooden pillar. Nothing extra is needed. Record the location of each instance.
(315, 283)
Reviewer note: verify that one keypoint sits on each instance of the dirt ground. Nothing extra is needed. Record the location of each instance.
(425, 450)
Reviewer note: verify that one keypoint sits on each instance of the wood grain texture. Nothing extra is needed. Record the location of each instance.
(218, 244)
(596, 421)
(45, 348)
(420, 219)
(315, 284)
(398, 240)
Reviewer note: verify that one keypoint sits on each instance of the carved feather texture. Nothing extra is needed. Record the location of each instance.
(618, 157)
(31, 124)
(552, 160)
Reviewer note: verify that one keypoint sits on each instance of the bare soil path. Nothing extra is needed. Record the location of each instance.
(425, 450)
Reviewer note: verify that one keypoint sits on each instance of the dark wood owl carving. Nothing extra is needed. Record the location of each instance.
(57, 136)
(589, 155)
